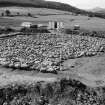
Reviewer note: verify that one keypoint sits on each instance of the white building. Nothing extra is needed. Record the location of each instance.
(40, 25)
(26, 24)
(76, 27)
(55, 25)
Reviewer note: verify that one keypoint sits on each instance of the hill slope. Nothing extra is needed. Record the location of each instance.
(42, 4)
(49, 5)
(98, 10)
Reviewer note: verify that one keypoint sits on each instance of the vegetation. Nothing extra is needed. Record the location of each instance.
(82, 32)
(6, 30)
(52, 5)
(33, 30)
(39, 50)
(2, 14)
(64, 92)
(95, 14)
(18, 13)
(8, 13)
(44, 4)
(99, 34)
(29, 14)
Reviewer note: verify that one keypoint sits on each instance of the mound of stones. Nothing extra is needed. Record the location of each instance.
(46, 52)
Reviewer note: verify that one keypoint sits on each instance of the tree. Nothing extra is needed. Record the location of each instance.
(2, 14)
(91, 15)
(29, 14)
(18, 13)
(8, 13)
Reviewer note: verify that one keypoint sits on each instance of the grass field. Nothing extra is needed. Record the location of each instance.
(9, 22)
(45, 15)
(90, 71)
(34, 11)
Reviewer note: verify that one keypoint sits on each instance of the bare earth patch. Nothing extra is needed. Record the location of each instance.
(90, 70)
(7, 76)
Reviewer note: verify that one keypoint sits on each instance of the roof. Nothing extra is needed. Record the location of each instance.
(56, 21)
(26, 24)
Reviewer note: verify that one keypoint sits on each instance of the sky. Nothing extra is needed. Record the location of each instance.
(84, 4)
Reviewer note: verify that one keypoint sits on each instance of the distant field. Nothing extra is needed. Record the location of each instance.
(16, 21)
(9, 22)
(44, 15)
(35, 11)
(91, 24)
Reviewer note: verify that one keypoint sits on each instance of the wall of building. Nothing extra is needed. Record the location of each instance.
(55, 25)
(26, 24)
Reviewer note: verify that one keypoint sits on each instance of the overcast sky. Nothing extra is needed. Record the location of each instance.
(84, 4)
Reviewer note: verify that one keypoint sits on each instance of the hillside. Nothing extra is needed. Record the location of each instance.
(41, 4)
(98, 10)
(49, 5)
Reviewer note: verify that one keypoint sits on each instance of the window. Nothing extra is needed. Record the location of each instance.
(55, 25)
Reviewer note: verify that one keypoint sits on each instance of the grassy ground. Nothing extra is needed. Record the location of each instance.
(34, 11)
(90, 71)
(63, 92)
(92, 24)
(45, 15)
(9, 22)
(8, 76)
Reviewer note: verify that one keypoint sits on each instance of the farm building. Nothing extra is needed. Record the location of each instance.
(34, 26)
(40, 25)
(76, 27)
(55, 25)
(43, 27)
(26, 24)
